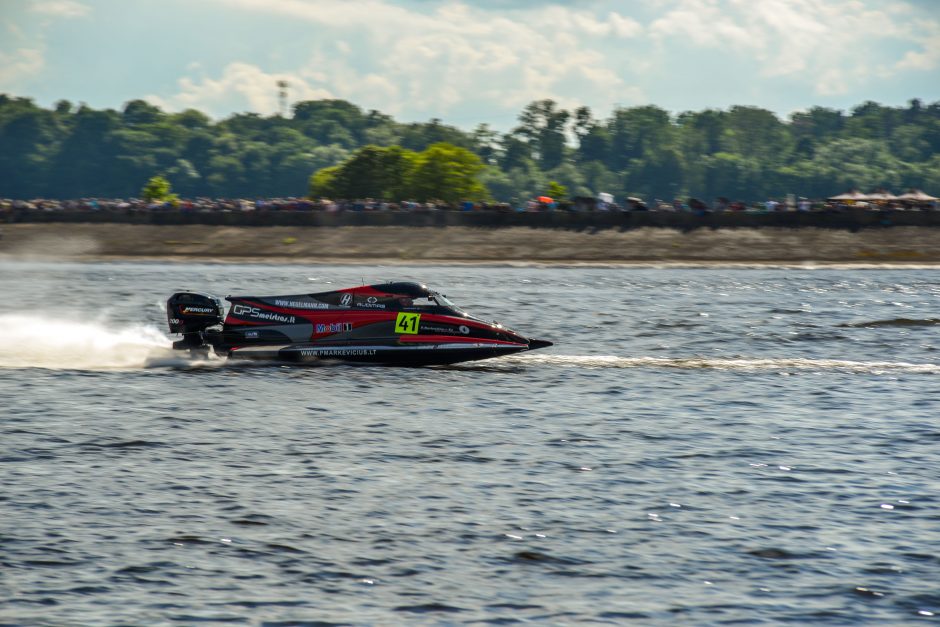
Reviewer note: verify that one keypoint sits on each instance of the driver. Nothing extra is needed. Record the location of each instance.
(406, 302)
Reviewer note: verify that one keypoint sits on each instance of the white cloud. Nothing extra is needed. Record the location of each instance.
(23, 58)
(452, 55)
(19, 64)
(468, 61)
(835, 45)
(244, 83)
(60, 8)
(624, 27)
(614, 24)
(928, 57)
(703, 23)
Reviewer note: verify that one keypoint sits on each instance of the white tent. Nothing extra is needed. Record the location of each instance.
(850, 195)
(915, 195)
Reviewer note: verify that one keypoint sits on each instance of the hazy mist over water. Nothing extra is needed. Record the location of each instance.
(701, 446)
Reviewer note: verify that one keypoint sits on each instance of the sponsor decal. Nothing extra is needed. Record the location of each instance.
(433, 328)
(337, 352)
(175, 321)
(370, 302)
(437, 329)
(346, 300)
(407, 323)
(198, 311)
(251, 334)
(254, 312)
(334, 327)
(301, 304)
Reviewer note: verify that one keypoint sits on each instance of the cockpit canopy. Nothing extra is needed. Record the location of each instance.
(398, 288)
(404, 295)
(391, 296)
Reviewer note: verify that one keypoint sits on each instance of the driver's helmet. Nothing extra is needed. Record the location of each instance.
(406, 302)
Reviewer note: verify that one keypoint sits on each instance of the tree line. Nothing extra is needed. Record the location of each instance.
(333, 147)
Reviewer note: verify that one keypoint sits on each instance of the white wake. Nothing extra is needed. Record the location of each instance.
(746, 365)
(43, 342)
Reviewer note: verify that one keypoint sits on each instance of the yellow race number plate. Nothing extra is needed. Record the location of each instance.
(407, 323)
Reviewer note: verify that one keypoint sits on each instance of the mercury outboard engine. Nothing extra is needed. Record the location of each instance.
(191, 313)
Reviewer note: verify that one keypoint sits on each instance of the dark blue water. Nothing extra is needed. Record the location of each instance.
(700, 447)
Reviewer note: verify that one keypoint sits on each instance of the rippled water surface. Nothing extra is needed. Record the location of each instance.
(701, 446)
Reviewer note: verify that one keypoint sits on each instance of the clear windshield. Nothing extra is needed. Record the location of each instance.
(441, 300)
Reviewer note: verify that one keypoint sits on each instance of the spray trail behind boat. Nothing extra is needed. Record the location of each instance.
(45, 342)
(739, 364)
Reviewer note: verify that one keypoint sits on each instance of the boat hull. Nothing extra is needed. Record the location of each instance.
(395, 323)
(420, 355)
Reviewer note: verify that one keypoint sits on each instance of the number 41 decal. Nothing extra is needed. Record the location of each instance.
(407, 323)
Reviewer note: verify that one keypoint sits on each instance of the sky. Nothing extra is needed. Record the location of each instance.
(471, 62)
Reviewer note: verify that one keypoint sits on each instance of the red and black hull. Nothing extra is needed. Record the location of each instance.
(424, 354)
(393, 324)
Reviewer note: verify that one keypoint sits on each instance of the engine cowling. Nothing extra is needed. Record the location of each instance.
(190, 313)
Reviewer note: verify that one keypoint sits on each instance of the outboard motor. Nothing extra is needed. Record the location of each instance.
(191, 313)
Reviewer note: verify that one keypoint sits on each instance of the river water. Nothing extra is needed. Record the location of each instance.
(700, 447)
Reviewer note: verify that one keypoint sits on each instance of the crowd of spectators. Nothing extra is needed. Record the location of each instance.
(130, 205)
(690, 205)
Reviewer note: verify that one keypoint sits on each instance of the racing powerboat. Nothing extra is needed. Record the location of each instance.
(395, 323)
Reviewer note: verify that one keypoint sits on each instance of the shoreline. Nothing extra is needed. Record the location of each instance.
(488, 263)
(896, 247)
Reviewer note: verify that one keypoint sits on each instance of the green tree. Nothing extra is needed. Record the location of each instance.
(498, 183)
(871, 120)
(157, 189)
(658, 174)
(700, 132)
(542, 125)
(375, 172)
(730, 175)
(758, 134)
(812, 127)
(371, 172)
(557, 191)
(572, 178)
(908, 142)
(86, 160)
(486, 144)
(595, 145)
(191, 119)
(291, 168)
(141, 112)
(30, 138)
(859, 163)
(449, 173)
(598, 178)
(70, 151)
(323, 183)
(419, 136)
(637, 131)
(528, 181)
(514, 152)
